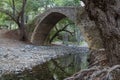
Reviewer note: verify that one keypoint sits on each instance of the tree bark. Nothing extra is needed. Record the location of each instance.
(103, 39)
(106, 15)
(13, 7)
(23, 34)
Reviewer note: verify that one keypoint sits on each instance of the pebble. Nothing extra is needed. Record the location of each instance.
(19, 58)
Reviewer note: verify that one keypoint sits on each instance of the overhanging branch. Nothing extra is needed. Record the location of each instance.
(8, 13)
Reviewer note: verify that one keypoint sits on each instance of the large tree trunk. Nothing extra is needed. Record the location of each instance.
(106, 15)
(23, 34)
(103, 38)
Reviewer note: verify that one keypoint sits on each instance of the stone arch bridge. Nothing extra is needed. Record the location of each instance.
(49, 19)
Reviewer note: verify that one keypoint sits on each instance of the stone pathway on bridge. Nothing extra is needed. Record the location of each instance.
(17, 59)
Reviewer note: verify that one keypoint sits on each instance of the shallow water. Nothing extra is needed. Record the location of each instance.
(55, 69)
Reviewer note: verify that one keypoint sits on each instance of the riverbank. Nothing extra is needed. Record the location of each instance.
(16, 56)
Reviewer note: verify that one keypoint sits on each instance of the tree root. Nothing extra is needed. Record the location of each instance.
(97, 73)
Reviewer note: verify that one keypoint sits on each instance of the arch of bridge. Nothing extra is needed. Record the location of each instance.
(48, 20)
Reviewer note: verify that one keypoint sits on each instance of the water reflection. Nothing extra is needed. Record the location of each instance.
(67, 65)
(55, 69)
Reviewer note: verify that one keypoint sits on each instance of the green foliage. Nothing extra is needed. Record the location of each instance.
(33, 7)
(67, 2)
(71, 30)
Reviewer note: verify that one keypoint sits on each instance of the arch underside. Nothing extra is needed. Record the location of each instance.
(43, 29)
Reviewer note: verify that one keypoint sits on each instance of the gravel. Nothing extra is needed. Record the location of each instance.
(15, 59)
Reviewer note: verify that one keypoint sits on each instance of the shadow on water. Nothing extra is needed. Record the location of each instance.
(55, 69)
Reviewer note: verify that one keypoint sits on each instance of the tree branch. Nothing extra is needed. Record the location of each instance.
(68, 32)
(58, 66)
(8, 14)
(56, 28)
(63, 29)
